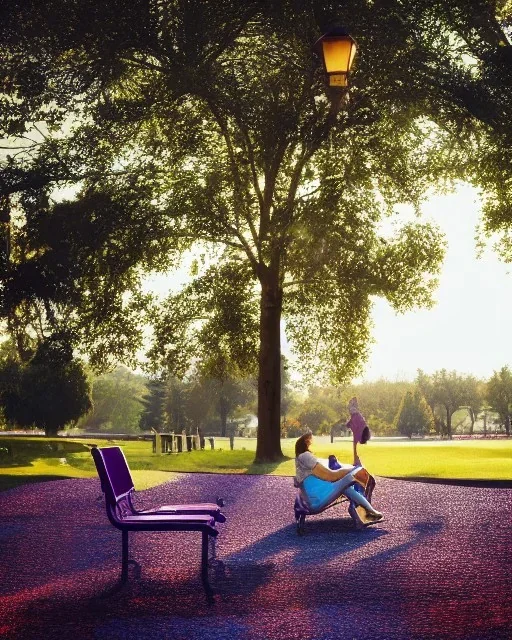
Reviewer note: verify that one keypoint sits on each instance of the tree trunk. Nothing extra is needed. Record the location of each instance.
(268, 447)
(448, 423)
(223, 412)
(472, 417)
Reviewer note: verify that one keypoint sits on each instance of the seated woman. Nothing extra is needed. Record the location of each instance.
(322, 486)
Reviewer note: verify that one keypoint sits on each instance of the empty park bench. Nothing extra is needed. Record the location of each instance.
(117, 485)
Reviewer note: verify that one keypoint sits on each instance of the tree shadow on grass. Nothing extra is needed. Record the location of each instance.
(265, 468)
(11, 481)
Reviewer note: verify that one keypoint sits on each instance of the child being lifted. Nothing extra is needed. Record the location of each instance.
(357, 424)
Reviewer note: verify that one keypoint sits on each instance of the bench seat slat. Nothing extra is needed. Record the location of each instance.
(184, 519)
(199, 507)
(187, 509)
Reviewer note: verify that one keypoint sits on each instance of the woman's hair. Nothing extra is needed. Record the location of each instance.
(302, 444)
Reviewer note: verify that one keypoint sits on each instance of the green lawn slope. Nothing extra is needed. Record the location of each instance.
(33, 459)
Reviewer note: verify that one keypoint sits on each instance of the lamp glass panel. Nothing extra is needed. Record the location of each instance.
(352, 55)
(338, 54)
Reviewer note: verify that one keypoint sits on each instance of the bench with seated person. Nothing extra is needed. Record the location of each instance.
(321, 487)
(117, 485)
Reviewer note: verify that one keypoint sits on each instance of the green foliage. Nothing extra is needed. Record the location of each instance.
(414, 415)
(200, 402)
(176, 405)
(213, 321)
(447, 391)
(379, 402)
(316, 418)
(116, 403)
(499, 395)
(153, 413)
(221, 397)
(48, 392)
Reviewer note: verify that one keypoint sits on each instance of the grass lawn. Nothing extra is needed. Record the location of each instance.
(28, 459)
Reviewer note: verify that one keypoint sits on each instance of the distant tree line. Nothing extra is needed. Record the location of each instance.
(208, 405)
(53, 392)
(427, 406)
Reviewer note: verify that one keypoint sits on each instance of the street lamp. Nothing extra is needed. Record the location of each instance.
(337, 49)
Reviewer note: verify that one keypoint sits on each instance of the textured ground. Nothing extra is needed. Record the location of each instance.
(439, 567)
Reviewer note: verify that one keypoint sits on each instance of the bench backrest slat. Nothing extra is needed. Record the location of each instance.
(113, 471)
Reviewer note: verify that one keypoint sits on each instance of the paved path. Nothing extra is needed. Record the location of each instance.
(439, 567)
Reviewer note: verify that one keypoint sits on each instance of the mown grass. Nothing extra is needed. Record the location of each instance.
(25, 460)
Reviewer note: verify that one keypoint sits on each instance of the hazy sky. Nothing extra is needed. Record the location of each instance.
(469, 329)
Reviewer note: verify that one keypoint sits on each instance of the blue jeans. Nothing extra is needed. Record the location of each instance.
(320, 493)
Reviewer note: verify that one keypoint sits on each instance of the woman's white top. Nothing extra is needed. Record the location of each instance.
(304, 464)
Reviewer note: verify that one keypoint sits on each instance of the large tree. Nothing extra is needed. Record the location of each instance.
(47, 392)
(210, 123)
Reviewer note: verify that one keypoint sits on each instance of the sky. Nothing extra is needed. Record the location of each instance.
(468, 330)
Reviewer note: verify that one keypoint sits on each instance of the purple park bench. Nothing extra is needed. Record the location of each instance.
(117, 485)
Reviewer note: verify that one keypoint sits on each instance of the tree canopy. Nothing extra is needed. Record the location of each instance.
(499, 395)
(208, 125)
(48, 391)
(117, 402)
(447, 391)
(414, 415)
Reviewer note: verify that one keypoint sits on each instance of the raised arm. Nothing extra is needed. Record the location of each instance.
(356, 457)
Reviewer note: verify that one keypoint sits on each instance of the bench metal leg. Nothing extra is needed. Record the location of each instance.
(301, 524)
(204, 566)
(212, 553)
(124, 565)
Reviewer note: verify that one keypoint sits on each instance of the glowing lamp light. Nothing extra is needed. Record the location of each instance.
(338, 50)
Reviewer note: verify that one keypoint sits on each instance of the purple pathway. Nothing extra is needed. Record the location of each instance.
(439, 567)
